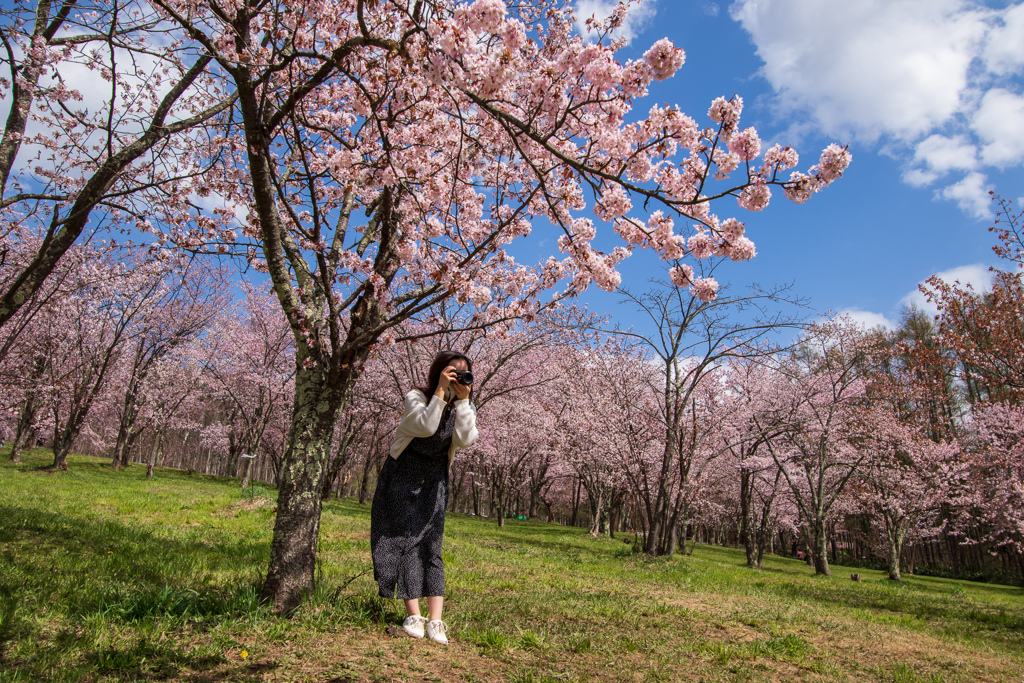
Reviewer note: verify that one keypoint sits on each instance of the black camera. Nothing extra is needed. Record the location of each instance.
(464, 377)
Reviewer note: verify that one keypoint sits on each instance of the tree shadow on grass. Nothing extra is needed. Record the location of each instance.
(77, 577)
(117, 569)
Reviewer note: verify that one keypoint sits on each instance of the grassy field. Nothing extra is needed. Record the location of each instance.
(105, 576)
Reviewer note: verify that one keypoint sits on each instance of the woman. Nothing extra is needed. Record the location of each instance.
(407, 516)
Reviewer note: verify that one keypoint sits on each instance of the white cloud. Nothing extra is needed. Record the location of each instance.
(919, 178)
(636, 19)
(999, 121)
(1004, 48)
(927, 75)
(711, 9)
(971, 194)
(867, 319)
(897, 67)
(976, 275)
(942, 154)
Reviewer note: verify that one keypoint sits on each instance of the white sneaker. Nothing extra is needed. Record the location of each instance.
(436, 631)
(413, 625)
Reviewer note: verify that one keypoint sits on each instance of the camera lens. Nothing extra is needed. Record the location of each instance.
(465, 377)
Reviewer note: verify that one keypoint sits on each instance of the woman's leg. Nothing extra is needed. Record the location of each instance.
(435, 605)
(412, 607)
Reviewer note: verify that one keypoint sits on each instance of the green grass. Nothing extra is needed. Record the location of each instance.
(108, 576)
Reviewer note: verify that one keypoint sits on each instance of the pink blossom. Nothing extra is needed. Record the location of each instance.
(664, 58)
(630, 231)
(746, 144)
(486, 15)
(665, 240)
(480, 296)
(600, 67)
(755, 197)
(834, 160)
(407, 250)
(681, 275)
(614, 202)
(726, 112)
(726, 163)
(732, 229)
(674, 247)
(661, 225)
(700, 245)
(705, 289)
(741, 249)
(783, 158)
(432, 228)
(800, 187)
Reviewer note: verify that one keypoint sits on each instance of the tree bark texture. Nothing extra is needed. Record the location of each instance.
(291, 573)
(819, 548)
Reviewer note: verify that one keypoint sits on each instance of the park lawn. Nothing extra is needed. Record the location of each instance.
(108, 576)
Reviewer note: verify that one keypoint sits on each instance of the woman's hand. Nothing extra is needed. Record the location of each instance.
(446, 379)
(461, 390)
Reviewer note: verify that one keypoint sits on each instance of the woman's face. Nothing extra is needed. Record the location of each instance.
(459, 364)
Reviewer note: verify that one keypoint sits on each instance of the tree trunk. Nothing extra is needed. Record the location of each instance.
(123, 449)
(158, 448)
(819, 549)
(673, 539)
(364, 484)
(246, 466)
(895, 535)
(655, 540)
(129, 412)
(291, 573)
(576, 502)
(337, 464)
(62, 439)
(596, 500)
(746, 518)
(763, 536)
(613, 515)
(24, 433)
(60, 459)
(457, 491)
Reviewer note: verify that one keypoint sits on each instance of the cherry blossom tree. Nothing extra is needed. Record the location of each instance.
(745, 435)
(174, 381)
(24, 358)
(692, 337)
(185, 307)
(103, 102)
(604, 402)
(820, 412)
(906, 481)
(451, 128)
(1000, 473)
(90, 335)
(630, 408)
(249, 365)
(24, 372)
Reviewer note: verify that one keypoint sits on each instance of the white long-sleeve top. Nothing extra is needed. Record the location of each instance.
(421, 419)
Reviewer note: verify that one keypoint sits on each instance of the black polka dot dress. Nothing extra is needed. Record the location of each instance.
(407, 517)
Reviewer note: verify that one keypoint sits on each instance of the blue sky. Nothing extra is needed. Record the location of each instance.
(929, 94)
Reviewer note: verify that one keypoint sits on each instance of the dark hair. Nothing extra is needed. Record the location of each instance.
(441, 361)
